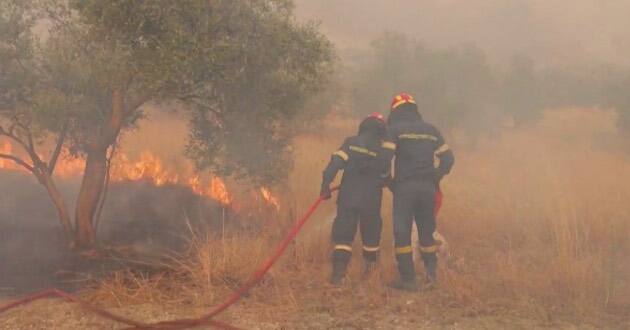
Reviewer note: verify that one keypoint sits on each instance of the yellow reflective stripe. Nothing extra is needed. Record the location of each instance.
(429, 249)
(444, 148)
(363, 151)
(343, 247)
(439, 239)
(342, 154)
(403, 101)
(404, 249)
(413, 136)
(370, 248)
(389, 145)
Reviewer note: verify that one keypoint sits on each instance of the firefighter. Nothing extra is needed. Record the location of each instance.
(363, 162)
(416, 145)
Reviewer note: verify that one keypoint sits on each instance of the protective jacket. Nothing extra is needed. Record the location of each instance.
(362, 160)
(416, 145)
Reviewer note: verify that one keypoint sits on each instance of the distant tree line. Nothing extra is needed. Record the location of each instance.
(459, 88)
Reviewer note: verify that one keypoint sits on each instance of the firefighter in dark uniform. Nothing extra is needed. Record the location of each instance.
(416, 146)
(363, 162)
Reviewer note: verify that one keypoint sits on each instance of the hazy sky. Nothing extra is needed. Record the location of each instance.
(553, 31)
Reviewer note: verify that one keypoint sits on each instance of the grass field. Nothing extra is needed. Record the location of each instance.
(537, 221)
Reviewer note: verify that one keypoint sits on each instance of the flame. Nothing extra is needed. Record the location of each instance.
(6, 149)
(271, 199)
(67, 166)
(148, 168)
(218, 191)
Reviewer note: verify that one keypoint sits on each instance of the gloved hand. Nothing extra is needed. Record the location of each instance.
(325, 192)
(438, 177)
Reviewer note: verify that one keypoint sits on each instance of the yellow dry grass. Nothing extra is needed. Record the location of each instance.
(537, 221)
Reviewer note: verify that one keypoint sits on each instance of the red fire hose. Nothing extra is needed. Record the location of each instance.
(183, 323)
(438, 201)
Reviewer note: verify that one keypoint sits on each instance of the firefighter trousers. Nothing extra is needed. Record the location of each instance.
(344, 230)
(414, 202)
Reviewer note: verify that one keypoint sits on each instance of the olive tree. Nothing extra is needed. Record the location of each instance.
(242, 68)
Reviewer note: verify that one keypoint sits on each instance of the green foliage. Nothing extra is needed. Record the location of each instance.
(244, 69)
(16, 51)
(32, 104)
(457, 87)
(616, 94)
(603, 86)
(452, 87)
(520, 91)
(240, 125)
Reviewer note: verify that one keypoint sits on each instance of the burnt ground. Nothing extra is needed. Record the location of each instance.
(138, 219)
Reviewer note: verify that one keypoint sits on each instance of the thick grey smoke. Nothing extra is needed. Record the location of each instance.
(144, 221)
(553, 32)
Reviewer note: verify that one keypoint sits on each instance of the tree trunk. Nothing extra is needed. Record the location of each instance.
(89, 196)
(95, 172)
(60, 205)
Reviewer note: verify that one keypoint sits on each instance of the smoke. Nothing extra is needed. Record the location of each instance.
(143, 220)
(553, 32)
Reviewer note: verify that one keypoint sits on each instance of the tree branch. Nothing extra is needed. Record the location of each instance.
(135, 104)
(29, 136)
(196, 100)
(28, 146)
(55, 155)
(11, 135)
(19, 162)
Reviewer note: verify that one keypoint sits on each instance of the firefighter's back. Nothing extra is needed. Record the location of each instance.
(361, 184)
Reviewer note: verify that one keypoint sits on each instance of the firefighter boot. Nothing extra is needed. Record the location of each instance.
(340, 261)
(430, 266)
(407, 281)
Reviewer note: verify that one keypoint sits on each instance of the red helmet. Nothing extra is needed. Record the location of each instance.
(401, 99)
(378, 116)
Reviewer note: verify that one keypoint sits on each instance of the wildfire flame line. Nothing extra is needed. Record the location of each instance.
(149, 168)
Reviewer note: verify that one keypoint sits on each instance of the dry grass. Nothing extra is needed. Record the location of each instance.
(537, 220)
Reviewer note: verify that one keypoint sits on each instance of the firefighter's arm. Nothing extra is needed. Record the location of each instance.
(388, 150)
(337, 162)
(445, 156)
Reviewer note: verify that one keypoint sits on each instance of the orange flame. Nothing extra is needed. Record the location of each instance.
(68, 167)
(6, 149)
(271, 199)
(218, 191)
(151, 168)
(148, 168)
